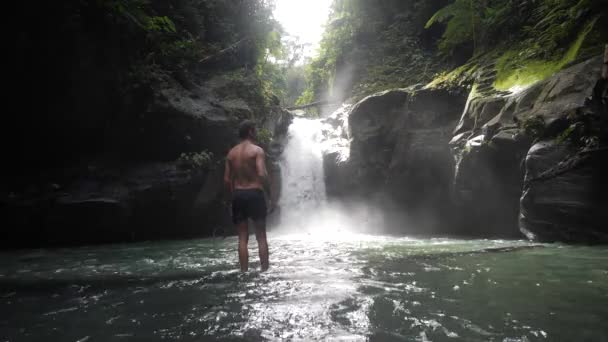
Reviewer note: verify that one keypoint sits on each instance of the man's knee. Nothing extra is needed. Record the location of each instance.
(260, 233)
(260, 238)
(243, 231)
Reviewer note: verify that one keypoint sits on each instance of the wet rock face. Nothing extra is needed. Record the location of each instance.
(103, 203)
(490, 145)
(552, 99)
(176, 118)
(110, 204)
(564, 202)
(137, 191)
(399, 153)
(412, 154)
(488, 178)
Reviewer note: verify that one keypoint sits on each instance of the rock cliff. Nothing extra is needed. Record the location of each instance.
(122, 130)
(470, 165)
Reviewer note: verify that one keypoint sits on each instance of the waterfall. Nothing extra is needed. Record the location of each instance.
(303, 186)
(304, 205)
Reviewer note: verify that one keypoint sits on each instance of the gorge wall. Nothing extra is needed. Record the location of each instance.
(505, 132)
(127, 109)
(487, 164)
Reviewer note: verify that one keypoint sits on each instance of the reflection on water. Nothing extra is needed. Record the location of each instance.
(353, 288)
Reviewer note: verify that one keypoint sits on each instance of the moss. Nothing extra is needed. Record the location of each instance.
(566, 135)
(460, 75)
(195, 161)
(515, 68)
(534, 126)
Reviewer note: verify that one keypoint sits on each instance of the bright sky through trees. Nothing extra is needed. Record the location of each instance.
(304, 19)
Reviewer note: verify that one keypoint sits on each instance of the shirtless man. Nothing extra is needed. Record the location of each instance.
(245, 177)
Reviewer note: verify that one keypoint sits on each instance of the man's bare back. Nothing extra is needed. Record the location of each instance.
(247, 166)
(245, 177)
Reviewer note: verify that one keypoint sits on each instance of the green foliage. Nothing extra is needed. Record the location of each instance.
(264, 136)
(337, 40)
(369, 46)
(159, 24)
(527, 40)
(308, 96)
(455, 78)
(271, 73)
(295, 80)
(139, 12)
(585, 130)
(177, 35)
(567, 134)
(525, 65)
(463, 18)
(178, 53)
(195, 161)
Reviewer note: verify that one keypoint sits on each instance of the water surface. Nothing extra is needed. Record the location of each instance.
(354, 288)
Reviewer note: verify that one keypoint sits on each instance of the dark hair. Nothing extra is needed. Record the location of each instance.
(245, 128)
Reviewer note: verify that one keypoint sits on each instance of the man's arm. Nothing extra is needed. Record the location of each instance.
(228, 177)
(260, 165)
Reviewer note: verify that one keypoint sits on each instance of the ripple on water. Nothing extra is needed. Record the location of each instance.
(358, 288)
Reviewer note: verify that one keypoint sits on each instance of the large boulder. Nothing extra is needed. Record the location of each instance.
(399, 155)
(112, 119)
(113, 203)
(488, 177)
(173, 117)
(490, 144)
(559, 95)
(102, 202)
(565, 195)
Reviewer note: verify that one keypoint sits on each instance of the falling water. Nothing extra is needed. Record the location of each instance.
(305, 207)
(303, 183)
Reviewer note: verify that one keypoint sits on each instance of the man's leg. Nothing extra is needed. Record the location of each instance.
(260, 235)
(243, 240)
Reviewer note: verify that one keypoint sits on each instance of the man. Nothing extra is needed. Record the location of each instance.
(245, 177)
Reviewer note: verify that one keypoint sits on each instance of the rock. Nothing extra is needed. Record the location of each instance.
(177, 119)
(564, 92)
(338, 175)
(478, 111)
(551, 99)
(95, 219)
(487, 183)
(129, 118)
(566, 203)
(399, 154)
(490, 149)
(147, 201)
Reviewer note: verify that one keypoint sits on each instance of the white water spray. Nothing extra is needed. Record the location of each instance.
(304, 205)
(303, 183)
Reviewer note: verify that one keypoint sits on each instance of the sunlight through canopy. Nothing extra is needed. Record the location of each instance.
(303, 19)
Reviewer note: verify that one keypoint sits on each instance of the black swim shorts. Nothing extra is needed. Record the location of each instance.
(248, 203)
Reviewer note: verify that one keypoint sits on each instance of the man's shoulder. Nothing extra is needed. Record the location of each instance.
(259, 151)
(232, 151)
(252, 147)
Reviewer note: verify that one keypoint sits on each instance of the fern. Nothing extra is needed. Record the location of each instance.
(462, 17)
(159, 24)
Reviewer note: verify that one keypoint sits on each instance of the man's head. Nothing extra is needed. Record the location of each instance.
(247, 130)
